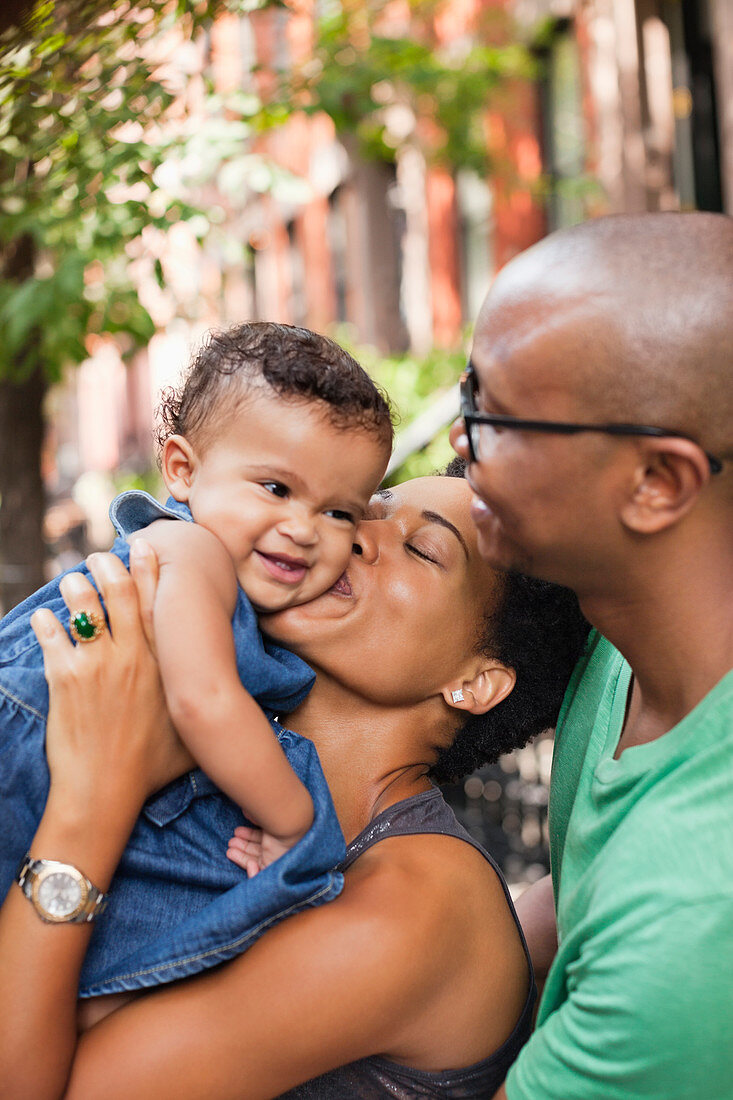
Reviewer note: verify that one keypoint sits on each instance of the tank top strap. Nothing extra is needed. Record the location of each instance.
(427, 812)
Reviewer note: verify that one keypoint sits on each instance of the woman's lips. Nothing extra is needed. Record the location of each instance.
(342, 587)
(283, 568)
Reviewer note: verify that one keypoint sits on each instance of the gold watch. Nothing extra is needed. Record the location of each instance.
(59, 892)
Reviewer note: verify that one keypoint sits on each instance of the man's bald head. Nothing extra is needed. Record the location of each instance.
(642, 306)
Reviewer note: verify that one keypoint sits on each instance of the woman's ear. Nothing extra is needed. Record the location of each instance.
(178, 463)
(489, 686)
(668, 483)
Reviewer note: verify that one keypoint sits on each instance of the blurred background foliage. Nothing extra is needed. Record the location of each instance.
(96, 148)
(413, 382)
(389, 90)
(84, 124)
(86, 119)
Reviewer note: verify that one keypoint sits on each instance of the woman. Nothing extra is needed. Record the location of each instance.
(416, 978)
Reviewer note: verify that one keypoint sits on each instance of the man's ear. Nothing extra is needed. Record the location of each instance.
(484, 690)
(178, 464)
(668, 481)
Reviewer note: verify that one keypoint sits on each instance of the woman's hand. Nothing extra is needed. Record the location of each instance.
(109, 745)
(109, 741)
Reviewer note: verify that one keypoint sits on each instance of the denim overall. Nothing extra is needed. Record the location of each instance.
(177, 904)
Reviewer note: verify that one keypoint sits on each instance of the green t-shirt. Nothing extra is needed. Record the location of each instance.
(639, 999)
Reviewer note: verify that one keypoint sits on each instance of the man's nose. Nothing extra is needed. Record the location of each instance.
(458, 438)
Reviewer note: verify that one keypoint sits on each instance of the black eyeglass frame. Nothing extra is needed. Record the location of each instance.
(470, 416)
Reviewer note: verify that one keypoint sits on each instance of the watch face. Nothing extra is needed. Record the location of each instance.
(59, 894)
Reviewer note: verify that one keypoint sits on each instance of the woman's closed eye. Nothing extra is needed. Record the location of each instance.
(427, 553)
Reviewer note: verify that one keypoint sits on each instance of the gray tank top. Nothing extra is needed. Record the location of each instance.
(375, 1078)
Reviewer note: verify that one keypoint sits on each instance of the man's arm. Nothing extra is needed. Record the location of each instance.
(536, 911)
(648, 1006)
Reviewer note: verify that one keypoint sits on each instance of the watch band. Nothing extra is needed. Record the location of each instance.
(32, 873)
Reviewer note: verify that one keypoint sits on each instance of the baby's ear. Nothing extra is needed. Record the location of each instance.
(178, 464)
(490, 684)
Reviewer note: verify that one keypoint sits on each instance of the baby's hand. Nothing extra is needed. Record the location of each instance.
(252, 849)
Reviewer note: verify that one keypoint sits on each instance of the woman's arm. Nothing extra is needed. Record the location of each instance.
(393, 967)
(103, 765)
(373, 972)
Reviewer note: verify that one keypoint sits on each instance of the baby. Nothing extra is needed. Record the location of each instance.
(270, 453)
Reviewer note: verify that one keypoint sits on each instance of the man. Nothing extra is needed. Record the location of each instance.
(624, 322)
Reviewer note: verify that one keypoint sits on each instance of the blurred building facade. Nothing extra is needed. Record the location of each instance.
(631, 109)
(653, 83)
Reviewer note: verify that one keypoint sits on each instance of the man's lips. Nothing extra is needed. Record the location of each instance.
(284, 568)
(480, 511)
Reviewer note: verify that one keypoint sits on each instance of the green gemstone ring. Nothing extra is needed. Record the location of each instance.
(86, 626)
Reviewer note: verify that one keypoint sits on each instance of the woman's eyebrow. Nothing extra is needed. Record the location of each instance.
(376, 507)
(435, 517)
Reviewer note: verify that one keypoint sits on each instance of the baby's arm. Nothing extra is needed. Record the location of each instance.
(219, 721)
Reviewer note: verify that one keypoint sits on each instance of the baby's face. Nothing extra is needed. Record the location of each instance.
(283, 489)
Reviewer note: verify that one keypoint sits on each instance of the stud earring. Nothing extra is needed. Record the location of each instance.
(457, 696)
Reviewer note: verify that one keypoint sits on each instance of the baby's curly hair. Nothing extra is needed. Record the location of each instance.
(297, 364)
(538, 629)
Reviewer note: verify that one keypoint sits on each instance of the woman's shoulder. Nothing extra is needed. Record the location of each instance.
(440, 866)
(434, 887)
(442, 925)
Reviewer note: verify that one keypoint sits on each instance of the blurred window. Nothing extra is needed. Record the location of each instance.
(473, 197)
(563, 128)
(337, 244)
(696, 158)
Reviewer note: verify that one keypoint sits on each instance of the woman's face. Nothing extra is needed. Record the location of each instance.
(404, 618)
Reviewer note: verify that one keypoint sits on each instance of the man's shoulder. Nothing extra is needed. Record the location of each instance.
(590, 704)
(600, 665)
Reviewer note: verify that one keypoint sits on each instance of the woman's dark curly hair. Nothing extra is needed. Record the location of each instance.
(294, 362)
(538, 629)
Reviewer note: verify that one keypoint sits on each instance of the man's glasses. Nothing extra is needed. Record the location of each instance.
(474, 421)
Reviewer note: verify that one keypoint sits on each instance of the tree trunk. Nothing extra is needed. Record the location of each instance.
(21, 436)
(21, 489)
(375, 229)
(14, 12)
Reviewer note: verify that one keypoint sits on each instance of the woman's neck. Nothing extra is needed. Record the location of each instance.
(372, 755)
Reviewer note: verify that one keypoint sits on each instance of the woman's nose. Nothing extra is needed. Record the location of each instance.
(366, 544)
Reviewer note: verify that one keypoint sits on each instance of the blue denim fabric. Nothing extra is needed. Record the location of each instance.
(177, 904)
